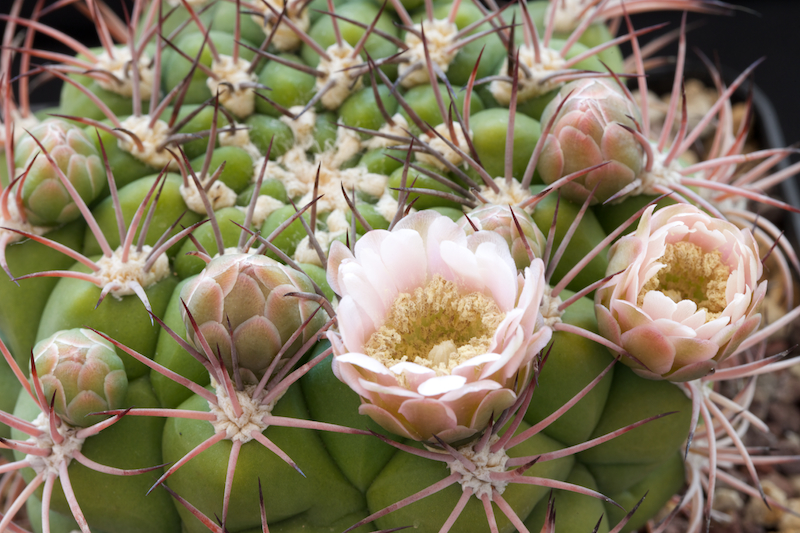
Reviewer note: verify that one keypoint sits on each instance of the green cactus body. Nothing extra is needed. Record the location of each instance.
(23, 304)
(133, 443)
(328, 379)
(73, 304)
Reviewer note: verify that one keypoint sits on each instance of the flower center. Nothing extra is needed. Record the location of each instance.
(436, 327)
(689, 273)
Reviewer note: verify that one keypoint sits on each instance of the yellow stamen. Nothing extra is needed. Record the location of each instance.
(691, 274)
(436, 327)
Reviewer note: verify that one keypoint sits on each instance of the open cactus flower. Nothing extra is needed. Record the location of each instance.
(437, 332)
(688, 294)
(344, 266)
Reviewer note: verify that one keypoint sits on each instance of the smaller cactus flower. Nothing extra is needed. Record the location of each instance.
(437, 330)
(249, 306)
(592, 126)
(499, 219)
(687, 294)
(84, 372)
(46, 200)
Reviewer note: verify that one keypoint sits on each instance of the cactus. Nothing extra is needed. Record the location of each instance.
(377, 312)
(82, 373)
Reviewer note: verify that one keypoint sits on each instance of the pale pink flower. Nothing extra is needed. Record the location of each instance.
(687, 296)
(437, 330)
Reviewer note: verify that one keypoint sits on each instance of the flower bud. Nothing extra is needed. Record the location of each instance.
(84, 372)
(253, 294)
(589, 130)
(498, 219)
(46, 200)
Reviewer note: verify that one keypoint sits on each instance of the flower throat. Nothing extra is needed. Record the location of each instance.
(691, 274)
(436, 327)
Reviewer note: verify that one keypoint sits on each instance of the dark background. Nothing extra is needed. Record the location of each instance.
(736, 40)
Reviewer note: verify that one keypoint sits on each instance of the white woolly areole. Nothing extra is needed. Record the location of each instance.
(387, 206)
(239, 137)
(305, 253)
(347, 145)
(298, 174)
(239, 428)
(233, 250)
(60, 453)
(399, 129)
(219, 196)
(285, 38)
(549, 308)
(529, 86)
(337, 69)
(486, 463)
(265, 205)
(332, 180)
(15, 222)
(120, 66)
(152, 139)
(241, 101)
(124, 278)
(513, 193)
(337, 222)
(337, 226)
(569, 14)
(440, 146)
(302, 127)
(439, 36)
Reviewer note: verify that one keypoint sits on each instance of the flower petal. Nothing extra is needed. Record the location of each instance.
(439, 385)
(650, 347)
